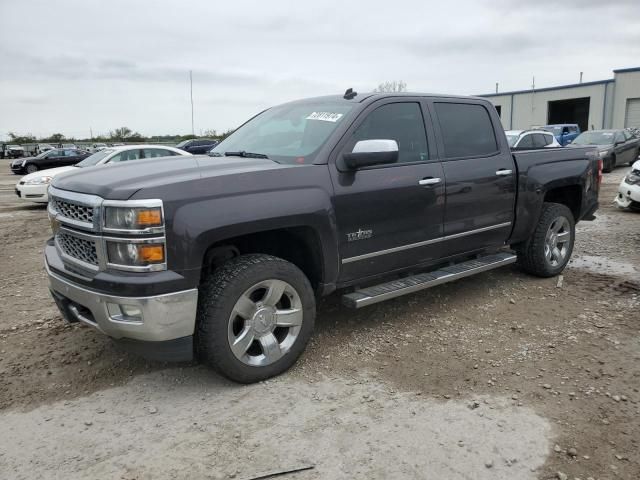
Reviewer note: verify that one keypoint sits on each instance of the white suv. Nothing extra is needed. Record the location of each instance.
(531, 139)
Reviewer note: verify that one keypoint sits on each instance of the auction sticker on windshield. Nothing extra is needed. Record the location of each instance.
(325, 116)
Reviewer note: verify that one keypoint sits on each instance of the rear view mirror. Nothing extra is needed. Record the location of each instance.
(366, 153)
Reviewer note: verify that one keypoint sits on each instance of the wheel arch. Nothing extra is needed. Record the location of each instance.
(300, 245)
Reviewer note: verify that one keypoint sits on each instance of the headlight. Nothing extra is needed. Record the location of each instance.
(38, 181)
(633, 178)
(23, 163)
(604, 153)
(146, 217)
(137, 256)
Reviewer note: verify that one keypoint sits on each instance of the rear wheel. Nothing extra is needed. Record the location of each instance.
(548, 250)
(255, 316)
(31, 168)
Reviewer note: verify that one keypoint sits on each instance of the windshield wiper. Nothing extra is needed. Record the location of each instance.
(244, 154)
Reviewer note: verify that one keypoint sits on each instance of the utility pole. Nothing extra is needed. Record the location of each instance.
(193, 130)
(581, 76)
(496, 87)
(90, 133)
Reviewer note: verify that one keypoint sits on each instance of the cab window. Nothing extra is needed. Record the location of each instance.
(401, 122)
(466, 129)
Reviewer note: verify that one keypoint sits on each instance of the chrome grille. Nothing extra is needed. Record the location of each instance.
(73, 211)
(78, 248)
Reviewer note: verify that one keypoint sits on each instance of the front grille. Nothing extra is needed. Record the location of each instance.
(73, 211)
(78, 248)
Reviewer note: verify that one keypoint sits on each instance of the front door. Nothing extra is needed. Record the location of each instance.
(480, 176)
(389, 217)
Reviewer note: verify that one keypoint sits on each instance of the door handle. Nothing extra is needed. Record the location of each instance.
(504, 172)
(429, 181)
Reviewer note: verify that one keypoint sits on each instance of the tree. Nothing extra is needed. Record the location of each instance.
(391, 86)
(125, 133)
(27, 138)
(210, 133)
(56, 138)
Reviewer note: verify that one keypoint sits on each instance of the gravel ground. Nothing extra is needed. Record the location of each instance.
(496, 376)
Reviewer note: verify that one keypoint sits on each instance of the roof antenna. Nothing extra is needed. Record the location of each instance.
(349, 94)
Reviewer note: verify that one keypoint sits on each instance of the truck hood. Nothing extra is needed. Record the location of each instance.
(121, 181)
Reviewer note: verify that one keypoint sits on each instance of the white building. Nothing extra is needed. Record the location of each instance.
(613, 103)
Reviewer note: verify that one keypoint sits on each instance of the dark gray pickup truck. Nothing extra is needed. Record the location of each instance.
(221, 257)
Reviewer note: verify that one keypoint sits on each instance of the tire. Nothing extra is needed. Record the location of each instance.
(235, 307)
(536, 256)
(31, 168)
(608, 165)
(635, 158)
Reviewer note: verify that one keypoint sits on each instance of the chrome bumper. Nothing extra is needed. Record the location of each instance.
(163, 317)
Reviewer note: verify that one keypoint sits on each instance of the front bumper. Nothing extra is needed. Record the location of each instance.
(33, 193)
(627, 195)
(162, 318)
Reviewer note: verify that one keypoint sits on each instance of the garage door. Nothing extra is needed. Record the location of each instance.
(632, 117)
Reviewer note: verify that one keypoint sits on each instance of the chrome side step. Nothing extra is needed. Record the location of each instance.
(403, 286)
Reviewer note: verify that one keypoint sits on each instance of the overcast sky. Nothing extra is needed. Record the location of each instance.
(69, 65)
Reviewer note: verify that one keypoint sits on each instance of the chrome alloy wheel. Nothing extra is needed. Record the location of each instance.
(265, 322)
(557, 241)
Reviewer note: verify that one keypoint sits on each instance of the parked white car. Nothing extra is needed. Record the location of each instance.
(531, 139)
(33, 187)
(629, 189)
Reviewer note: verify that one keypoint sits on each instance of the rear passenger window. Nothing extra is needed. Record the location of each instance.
(467, 130)
(526, 142)
(401, 122)
(538, 140)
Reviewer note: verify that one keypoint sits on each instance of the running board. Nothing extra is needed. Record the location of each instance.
(403, 286)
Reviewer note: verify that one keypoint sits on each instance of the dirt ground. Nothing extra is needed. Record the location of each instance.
(501, 375)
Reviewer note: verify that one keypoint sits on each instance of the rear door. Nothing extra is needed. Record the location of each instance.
(389, 217)
(480, 176)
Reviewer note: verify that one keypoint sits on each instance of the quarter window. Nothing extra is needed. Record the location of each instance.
(401, 122)
(466, 129)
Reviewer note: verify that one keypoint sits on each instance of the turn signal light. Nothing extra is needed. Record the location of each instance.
(151, 253)
(150, 218)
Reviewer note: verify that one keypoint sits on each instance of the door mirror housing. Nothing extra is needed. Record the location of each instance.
(366, 153)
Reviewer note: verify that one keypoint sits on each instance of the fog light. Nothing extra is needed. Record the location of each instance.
(131, 311)
(125, 313)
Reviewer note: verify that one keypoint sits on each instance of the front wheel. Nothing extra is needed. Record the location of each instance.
(31, 168)
(255, 316)
(548, 250)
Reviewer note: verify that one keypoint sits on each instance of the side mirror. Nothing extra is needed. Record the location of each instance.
(366, 153)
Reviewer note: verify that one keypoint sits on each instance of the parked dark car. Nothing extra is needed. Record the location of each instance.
(58, 157)
(376, 195)
(197, 145)
(615, 147)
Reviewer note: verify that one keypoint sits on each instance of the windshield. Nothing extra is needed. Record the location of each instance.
(290, 133)
(594, 138)
(92, 160)
(182, 143)
(45, 154)
(512, 139)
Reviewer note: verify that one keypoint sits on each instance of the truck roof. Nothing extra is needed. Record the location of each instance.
(372, 96)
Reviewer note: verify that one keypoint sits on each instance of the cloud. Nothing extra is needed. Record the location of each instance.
(87, 63)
